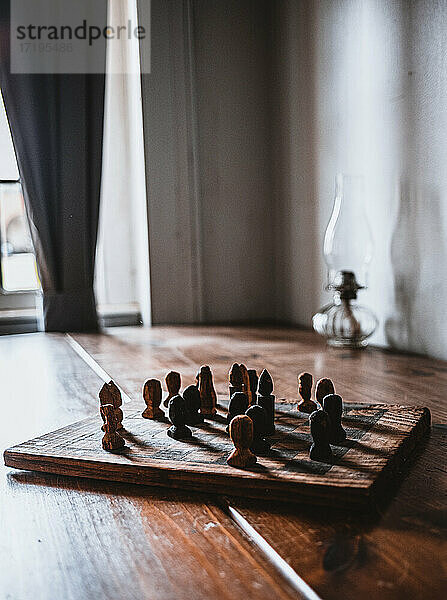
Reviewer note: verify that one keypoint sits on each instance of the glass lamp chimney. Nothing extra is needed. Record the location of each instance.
(348, 244)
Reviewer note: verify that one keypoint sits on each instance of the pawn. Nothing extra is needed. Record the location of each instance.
(177, 416)
(110, 394)
(241, 434)
(333, 405)
(246, 383)
(191, 396)
(306, 405)
(238, 405)
(173, 382)
(208, 396)
(320, 427)
(266, 399)
(235, 377)
(152, 396)
(324, 388)
(112, 439)
(253, 378)
(258, 416)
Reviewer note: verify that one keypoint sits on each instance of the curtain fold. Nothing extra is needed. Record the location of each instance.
(56, 123)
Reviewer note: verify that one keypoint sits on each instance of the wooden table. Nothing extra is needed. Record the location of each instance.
(77, 539)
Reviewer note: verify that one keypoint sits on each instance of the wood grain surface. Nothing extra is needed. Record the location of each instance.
(399, 553)
(381, 439)
(80, 539)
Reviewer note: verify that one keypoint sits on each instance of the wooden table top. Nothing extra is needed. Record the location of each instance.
(77, 538)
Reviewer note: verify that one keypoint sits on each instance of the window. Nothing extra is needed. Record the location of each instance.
(18, 263)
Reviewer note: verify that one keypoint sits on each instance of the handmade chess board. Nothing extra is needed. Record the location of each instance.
(381, 438)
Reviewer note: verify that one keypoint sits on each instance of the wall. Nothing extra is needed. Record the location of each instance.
(361, 87)
(206, 122)
(232, 90)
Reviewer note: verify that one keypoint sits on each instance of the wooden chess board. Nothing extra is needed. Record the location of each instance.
(381, 438)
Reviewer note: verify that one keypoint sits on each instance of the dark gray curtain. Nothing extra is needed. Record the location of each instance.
(56, 123)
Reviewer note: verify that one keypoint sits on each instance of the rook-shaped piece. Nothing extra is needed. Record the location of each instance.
(173, 382)
(306, 405)
(324, 388)
(246, 383)
(238, 405)
(110, 394)
(267, 400)
(253, 378)
(191, 396)
(333, 405)
(177, 416)
(235, 380)
(259, 418)
(111, 440)
(320, 430)
(241, 434)
(208, 397)
(152, 396)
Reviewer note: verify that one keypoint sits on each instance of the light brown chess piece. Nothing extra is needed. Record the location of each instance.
(173, 382)
(306, 405)
(208, 396)
(111, 440)
(246, 388)
(241, 434)
(110, 394)
(325, 387)
(152, 397)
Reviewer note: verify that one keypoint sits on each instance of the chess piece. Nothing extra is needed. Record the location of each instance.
(324, 388)
(112, 439)
(152, 396)
(333, 405)
(235, 380)
(208, 397)
(238, 405)
(258, 416)
(253, 378)
(241, 434)
(246, 383)
(173, 382)
(267, 400)
(320, 427)
(177, 416)
(306, 405)
(191, 396)
(110, 394)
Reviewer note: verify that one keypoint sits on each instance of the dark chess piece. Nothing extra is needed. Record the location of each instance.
(246, 383)
(320, 428)
(324, 388)
(253, 378)
(259, 418)
(152, 395)
(208, 396)
(267, 400)
(177, 416)
(333, 405)
(306, 405)
(191, 396)
(173, 382)
(236, 381)
(112, 439)
(238, 405)
(241, 434)
(110, 394)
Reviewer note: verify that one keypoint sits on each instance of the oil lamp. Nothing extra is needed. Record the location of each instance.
(348, 249)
